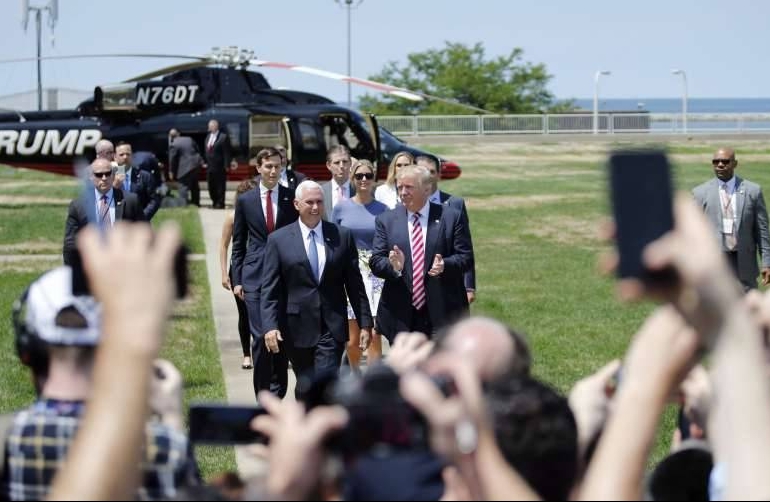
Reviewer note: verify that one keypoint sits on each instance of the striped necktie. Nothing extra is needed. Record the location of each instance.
(418, 264)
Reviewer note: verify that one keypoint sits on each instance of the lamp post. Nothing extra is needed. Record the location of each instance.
(596, 98)
(349, 5)
(53, 14)
(684, 97)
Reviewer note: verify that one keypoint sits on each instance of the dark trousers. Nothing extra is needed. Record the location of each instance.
(326, 356)
(421, 321)
(732, 260)
(189, 183)
(243, 326)
(217, 179)
(271, 371)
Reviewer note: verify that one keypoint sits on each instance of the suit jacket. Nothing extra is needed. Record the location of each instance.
(448, 236)
(459, 204)
(751, 224)
(183, 156)
(147, 161)
(296, 303)
(144, 187)
(218, 158)
(82, 211)
(326, 188)
(294, 177)
(250, 235)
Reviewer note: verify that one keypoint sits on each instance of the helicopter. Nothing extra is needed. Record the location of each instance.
(186, 96)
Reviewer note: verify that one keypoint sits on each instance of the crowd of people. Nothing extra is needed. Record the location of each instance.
(452, 412)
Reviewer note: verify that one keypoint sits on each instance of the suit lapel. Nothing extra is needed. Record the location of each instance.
(715, 204)
(331, 238)
(443, 197)
(284, 206)
(299, 245)
(402, 221)
(119, 205)
(256, 200)
(740, 200)
(433, 232)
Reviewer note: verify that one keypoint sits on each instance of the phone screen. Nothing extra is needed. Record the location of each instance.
(641, 195)
(224, 424)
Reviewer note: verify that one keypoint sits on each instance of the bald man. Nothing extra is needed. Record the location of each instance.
(736, 208)
(99, 204)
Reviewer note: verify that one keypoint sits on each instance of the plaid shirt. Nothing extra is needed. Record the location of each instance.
(41, 434)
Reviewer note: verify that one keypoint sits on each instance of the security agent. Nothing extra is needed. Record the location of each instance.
(56, 336)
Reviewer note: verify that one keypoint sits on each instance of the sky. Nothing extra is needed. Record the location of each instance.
(721, 46)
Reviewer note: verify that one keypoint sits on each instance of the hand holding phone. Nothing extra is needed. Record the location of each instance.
(222, 424)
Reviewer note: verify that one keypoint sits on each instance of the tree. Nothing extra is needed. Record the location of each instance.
(462, 73)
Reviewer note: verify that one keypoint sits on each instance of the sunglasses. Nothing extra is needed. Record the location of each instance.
(716, 162)
(102, 175)
(361, 176)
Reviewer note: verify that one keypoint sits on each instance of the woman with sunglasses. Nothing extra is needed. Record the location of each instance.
(358, 214)
(387, 193)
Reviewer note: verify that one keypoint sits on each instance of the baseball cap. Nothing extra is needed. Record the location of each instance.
(47, 297)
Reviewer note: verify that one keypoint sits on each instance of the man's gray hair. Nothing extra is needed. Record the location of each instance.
(421, 174)
(299, 192)
(104, 145)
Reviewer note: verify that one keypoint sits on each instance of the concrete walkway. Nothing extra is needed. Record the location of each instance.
(238, 382)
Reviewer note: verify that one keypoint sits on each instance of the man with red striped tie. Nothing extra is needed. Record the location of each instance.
(421, 250)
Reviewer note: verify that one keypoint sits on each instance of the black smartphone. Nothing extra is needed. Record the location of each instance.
(224, 424)
(181, 274)
(642, 203)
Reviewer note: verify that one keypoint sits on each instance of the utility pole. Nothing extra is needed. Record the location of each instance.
(349, 5)
(53, 16)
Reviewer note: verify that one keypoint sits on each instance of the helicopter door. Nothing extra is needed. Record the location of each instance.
(268, 131)
(341, 129)
(374, 132)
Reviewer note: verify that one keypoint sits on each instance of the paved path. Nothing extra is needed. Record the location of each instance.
(238, 382)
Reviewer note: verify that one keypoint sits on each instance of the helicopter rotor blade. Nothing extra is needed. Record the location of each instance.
(169, 69)
(379, 86)
(95, 56)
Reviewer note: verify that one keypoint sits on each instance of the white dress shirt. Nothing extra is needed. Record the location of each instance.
(336, 192)
(424, 212)
(263, 200)
(319, 243)
(110, 200)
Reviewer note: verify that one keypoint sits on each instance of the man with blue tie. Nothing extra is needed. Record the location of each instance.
(309, 268)
(422, 251)
(100, 204)
(258, 213)
(134, 180)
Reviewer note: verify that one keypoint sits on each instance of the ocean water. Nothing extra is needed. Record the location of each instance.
(674, 105)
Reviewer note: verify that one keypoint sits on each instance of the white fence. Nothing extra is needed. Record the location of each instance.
(575, 123)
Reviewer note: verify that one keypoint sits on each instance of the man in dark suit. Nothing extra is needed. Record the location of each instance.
(258, 213)
(339, 188)
(440, 197)
(100, 204)
(309, 268)
(736, 209)
(132, 179)
(184, 162)
(422, 251)
(218, 158)
(289, 177)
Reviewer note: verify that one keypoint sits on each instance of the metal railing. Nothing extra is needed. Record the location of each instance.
(575, 123)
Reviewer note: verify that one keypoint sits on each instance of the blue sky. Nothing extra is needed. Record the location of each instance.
(721, 46)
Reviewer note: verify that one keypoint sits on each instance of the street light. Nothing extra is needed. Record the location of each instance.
(53, 15)
(349, 4)
(596, 97)
(684, 97)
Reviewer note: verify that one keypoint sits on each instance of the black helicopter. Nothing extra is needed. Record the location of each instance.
(218, 86)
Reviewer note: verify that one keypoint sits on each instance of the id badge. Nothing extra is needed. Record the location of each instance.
(727, 225)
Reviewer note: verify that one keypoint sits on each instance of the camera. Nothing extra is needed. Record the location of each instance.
(379, 417)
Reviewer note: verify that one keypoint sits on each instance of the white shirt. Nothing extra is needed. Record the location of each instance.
(336, 192)
(319, 243)
(110, 200)
(263, 199)
(388, 195)
(729, 187)
(424, 212)
(212, 139)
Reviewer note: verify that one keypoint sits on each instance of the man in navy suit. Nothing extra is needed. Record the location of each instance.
(132, 179)
(441, 197)
(422, 251)
(100, 204)
(309, 268)
(258, 213)
(218, 158)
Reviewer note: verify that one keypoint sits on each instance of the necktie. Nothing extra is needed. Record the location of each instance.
(312, 255)
(104, 213)
(731, 240)
(212, 139)
(269, 219)
(418, 264)
(128, 181)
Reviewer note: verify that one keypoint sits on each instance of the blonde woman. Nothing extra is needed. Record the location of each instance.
(386, 193)
(358, 214)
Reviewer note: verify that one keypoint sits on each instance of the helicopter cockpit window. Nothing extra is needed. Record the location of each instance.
(265, 131)
(338, 130)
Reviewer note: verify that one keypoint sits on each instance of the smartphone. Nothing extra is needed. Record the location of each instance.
(642, 203)
(223, 424)
(181, 274)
